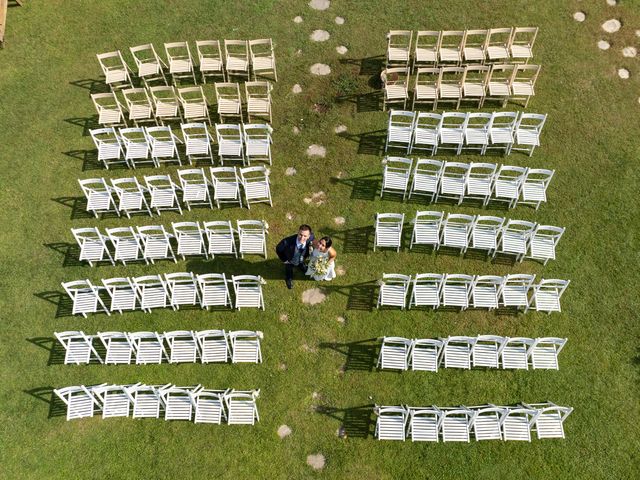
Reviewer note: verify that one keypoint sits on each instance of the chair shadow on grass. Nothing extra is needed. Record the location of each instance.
(364, 102)
(362, 188)
(356, 422)
(360, 296)
(87, 123)
(369, 143)
(57, 407)
(51, 345)
(352, 240)
(361, 356)
(90, 160)
(368, 66)
(70, 253)
(78, 206)
(94, 85)
(64, 304)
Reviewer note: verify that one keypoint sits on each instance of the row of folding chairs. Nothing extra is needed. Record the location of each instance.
(153, 242)
(193, 403)
(462, 291)
(473, 83)
(128, 196)
(483, 351)
(241, 57)
(483, 422)
(476, 181)
(179, 346)
(491, 234)
(472, 131)
(160, 104)
(435, 47)
(155, 145)
(172, 290)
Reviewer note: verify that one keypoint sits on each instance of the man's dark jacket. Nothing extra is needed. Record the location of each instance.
(286, 249)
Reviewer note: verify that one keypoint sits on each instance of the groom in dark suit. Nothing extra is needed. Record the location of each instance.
(293, 250)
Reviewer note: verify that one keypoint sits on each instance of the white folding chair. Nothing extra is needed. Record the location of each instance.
(474, 85)
(163, 144)
(451, 46)
(118, 347)
(391, 423)
(93, 245)
(226, 185)
(80, 401)
(543, 242)
(255, 183)
(126, 243)
(549, 420)
(453, 181)
(456, 290)
(197, 141)
(122, 292)
(543, 353)
(131, 196)
(480, 177)
(230, 142)
(148, 347)
(178, 402)
(263, 59)
(214, 291)
(147, 401)
(156, 243)
(99, 196)
(182, 346)
(501, 130)
(252, 236)
(248, 291)
(389, 230)
(394, 353)
(395, 82)
(149, 63)
(523, 82)
(455, 424)
(78, 347)
(426, 354)
(457, 352)
(486, 351)
(180, 61)
(426, 290)
(452, 130)
(163, 192)
(241, 407)
(515, 290)
(474, 49)
(166, 103)
(424, 424)
(258, 95)
(397, 172)
(534, 186)
(139, 105)
(426, 87)
(109, 146)
(515, 238)
(210, 59)
(220, 238)
(209, 406)
(521, 43)
(486, 423)
(485, 233)
(152, 292)
(257, 141)
(499, 83)
(498, 43)
(194, 104)
(426, 178)
(546, 295)
(393, 290)
(109, 109)
(236, 54)
(426, 229)
(514, 354)
(115, 69)
(426, 132)
(195, 187)
(508, 184)
(190, 238)
(400, 130)
(517, 424)
(426, 48)
(527, 131)
(228, 100)
(456, 230)
(399, 47)
(85, 297)
(245, 346)
(136, 146)
(182, 288)
(115, 400)
(485, 291)
(213, 345)
(451, 84)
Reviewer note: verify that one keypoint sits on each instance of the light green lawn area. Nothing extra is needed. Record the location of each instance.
(47, 71)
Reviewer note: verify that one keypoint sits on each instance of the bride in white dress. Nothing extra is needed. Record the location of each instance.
(322, 249)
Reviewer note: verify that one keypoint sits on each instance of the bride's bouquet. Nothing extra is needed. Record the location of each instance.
(321, 266)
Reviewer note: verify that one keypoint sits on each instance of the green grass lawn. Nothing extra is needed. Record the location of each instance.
(47, 71)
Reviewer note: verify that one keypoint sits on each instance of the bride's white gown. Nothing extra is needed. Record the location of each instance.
(331, 271)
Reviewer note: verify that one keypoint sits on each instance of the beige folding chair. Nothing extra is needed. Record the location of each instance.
(139, 105)
(498, 43)
(149, 64)
(396, 86)
(263, 60)
(165, 103)
(523, 82)
(210, 59)
(115, 69)
(426, 50)
(258, 96)
(426, 87)
(236, 54)
(450, 84)
(194, 104)
(228, 100)
(180, 61)
(474, 49)
(109, 109)
(474, 86)
(451, 44)
(499, 83)
(399, 47)
(521, 43)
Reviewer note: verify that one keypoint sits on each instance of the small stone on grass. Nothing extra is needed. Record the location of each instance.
(579, 16)
(297, 19)
(319, 4)
(341, 49)
(340, 129)
(295, 130)
(629, 52)
(339, 21)
(313, 296)
(612, 3)
(320, 36)
(603, 45)
(611, 26)
(282, 367)
(340, 270)
(284, 318)
(296, 88)
(290, 171)
(316, 151)
(320, 69)
(316, 461)
(289, 216)
(623, 73)
(340, 320)
(284, 431)
(339, 221)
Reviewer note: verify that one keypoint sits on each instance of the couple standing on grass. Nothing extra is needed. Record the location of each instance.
(294, 250)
